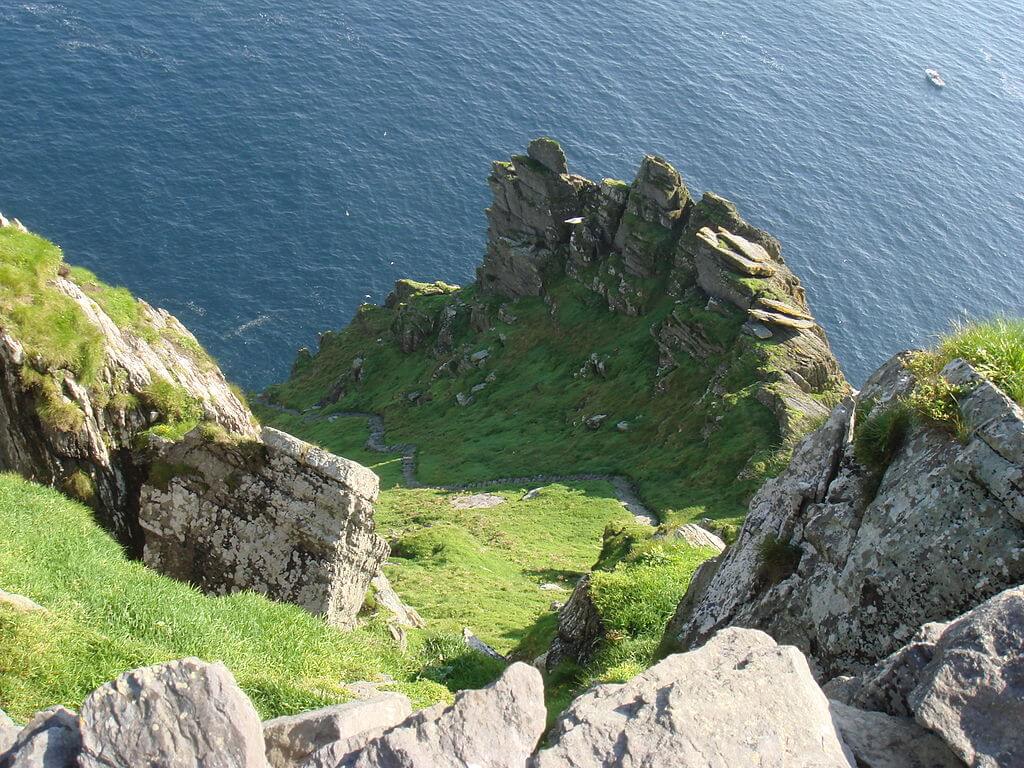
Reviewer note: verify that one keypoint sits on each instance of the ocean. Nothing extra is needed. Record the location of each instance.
(260, 169)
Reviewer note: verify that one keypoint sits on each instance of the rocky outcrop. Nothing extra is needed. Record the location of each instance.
(276, 515)
(739, 700)
(95, 443)
(846, 562)
(962, 681)
(633, 243)
(228, 507)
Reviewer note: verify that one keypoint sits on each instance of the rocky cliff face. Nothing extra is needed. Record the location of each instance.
(131, 416)
(630, 242)
(96, 444)
(845, 563)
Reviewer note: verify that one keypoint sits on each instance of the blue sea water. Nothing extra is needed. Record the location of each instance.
(260, 168)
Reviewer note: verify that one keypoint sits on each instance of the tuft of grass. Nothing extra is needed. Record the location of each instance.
(179, 411)
(109, 614)
(779, 559)
(79, 486)
(996, 350)
(881, 433)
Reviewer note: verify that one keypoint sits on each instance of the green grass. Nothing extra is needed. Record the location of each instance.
(108, 614)
(996, 350)
(880, 433)
(54, 331)
(636, 585)
(684, 450)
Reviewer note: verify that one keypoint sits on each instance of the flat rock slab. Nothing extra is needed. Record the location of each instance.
(477, 501)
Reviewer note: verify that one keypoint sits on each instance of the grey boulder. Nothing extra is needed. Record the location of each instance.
(878, 740)
(972, 692)
(180, 714)
(740, 700)
(291, 740)
(51, 739)
(495, 727)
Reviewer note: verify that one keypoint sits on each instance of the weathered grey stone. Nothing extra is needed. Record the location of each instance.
(388, 600)
(878, 740)
(739, 700)
(291, 740)
(496, 727)
(780, 319)
(51, 739)
(867, 567)
(580, 628)
(278, 516)
(478, 645)
(548, 153)
(8, 733)
(972, 691)
(180, 714)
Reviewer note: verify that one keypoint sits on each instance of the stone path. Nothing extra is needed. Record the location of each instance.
(625, 490)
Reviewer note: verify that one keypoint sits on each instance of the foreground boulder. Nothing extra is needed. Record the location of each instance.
(964, 681)
(276, 515)
(51, 739)
(878, 740)
(846, 561)
(291, 740)
(496, 727)
(177, 715)
(740, 700)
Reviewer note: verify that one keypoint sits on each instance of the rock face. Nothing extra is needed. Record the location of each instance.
(962, 681)
(882, 741)
(847, 565)
(51, 739)
(630, 243)
(678, 713)
(275, 515)
(99, 443)
(184, 713)
(228, 507)
(290, 741)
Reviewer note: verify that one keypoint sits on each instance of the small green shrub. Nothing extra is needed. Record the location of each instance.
(447, 660)
(78, 485)
(173, 402)
(879, 435)
(779, 559)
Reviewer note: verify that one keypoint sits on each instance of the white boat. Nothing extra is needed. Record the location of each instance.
(935, 78)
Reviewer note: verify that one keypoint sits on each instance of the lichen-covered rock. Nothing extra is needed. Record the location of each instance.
(740, 700)
(275, 515)
(695, 536)
(51, 739)
(848, 574)
(180, 714)
(495, 727)
(290, 741)
(878, 740)
(8, 733)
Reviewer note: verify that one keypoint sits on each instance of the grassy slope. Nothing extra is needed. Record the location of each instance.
(477, 568)
(530, 420)
(109, 614)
